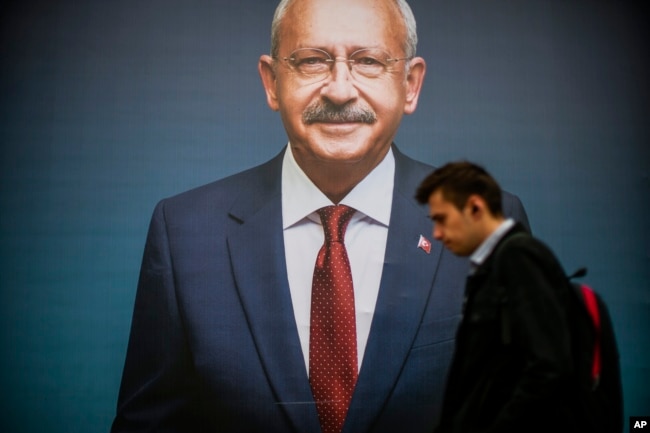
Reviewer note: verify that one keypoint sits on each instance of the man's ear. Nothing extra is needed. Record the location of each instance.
(475, 205)
(266, 68)
(414, 80)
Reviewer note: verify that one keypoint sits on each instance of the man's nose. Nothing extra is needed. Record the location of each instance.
(340, 87)
(437, 233)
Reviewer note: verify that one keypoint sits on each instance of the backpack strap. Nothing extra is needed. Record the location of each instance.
(591, 304)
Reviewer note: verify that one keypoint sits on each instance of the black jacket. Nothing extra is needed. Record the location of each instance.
(512, 367)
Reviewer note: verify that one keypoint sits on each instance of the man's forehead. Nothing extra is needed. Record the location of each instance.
(437, 197)
(439, 204)
(342, 23)
(302, 5)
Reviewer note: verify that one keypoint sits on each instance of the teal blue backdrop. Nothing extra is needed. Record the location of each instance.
(106, 107)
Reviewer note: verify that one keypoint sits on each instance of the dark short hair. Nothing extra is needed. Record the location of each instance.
(457, 181)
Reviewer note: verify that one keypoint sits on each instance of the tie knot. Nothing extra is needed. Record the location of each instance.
(335, 220)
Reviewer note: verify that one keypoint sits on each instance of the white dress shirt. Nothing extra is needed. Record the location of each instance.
(365, 240)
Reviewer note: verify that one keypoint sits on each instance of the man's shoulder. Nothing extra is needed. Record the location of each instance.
(251, 184)
(410, 170)
(258, 179)
(518, 244)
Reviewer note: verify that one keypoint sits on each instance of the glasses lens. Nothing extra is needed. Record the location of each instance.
(310, 62)
(369, 62)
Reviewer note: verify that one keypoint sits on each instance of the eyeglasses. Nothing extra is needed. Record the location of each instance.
(316, 64)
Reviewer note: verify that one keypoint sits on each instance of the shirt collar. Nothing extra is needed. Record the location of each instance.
(479, 256)
(372, 197)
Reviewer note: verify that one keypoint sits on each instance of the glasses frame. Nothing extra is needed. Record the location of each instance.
(332, 60)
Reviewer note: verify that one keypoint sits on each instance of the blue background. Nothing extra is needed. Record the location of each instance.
(106, 107)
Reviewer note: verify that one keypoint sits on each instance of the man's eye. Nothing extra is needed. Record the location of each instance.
(310, 61)
(367, 61)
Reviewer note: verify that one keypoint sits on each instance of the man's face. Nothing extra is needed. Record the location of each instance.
(341, 27)
(456, 229)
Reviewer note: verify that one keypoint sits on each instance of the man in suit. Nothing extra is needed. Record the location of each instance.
(512, 369)
(220, 337)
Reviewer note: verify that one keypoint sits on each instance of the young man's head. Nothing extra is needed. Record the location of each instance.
(464, 204)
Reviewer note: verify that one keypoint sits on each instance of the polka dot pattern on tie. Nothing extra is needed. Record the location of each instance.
(333, 365)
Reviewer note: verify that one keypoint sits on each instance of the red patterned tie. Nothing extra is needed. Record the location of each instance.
(333, 335)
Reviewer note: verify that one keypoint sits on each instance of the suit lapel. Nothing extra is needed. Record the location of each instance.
(257, 255)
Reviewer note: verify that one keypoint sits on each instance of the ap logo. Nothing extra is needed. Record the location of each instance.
(640, 424)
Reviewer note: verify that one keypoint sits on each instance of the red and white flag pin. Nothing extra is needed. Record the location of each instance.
(425, 244)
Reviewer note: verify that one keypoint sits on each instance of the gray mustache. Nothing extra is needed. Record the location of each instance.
(328, 112)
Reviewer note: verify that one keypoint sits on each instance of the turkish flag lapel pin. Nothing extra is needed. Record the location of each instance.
(424, 244)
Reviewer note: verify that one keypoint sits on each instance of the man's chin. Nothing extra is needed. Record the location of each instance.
(341, 157)
(340, 143)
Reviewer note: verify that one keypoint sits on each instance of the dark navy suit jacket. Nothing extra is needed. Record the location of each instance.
(214, 344)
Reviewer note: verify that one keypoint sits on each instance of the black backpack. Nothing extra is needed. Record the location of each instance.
(597, 358)
(595, 354)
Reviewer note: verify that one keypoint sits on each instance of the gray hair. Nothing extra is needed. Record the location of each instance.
(410, 44)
